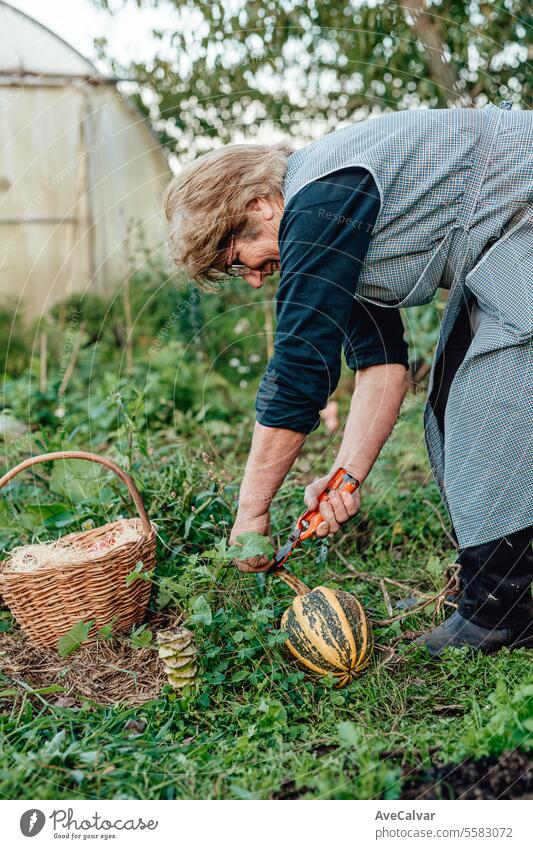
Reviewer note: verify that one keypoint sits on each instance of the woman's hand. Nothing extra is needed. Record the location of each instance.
(261, 525)
(338, 509)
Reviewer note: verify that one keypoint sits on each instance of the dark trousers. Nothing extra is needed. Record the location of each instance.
(495, 577)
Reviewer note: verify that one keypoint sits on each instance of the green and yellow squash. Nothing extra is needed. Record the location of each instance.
(328, 634)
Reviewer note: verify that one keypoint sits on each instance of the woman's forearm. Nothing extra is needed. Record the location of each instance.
(376, 401)
(379, 392)
(272, 455)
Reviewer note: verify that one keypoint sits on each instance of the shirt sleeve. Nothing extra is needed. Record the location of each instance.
(324, 235)
(374, 336)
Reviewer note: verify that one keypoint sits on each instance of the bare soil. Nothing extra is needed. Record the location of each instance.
(509, 776)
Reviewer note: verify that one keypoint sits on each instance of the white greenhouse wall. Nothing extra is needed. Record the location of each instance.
(79, 171)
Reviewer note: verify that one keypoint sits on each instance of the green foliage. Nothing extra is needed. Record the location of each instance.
(201, 611)
(91, 311)
(15, 350)
(250, 544)
(422, 325)
(106, 631)
(180, 422)
(252, 725)
(295, 64)
(71, 641)
(141, 637)
(78, 480)
(502, 722)
(138, 573)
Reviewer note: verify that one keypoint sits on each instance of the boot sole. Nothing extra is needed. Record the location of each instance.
(526, 643)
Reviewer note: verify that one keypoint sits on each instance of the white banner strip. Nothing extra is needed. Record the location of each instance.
(267, 825)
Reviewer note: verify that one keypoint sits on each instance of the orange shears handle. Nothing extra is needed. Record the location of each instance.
(341, 481)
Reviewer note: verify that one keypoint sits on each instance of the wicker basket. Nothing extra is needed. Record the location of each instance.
(49, 601)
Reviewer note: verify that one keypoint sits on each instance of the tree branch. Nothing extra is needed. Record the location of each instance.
(428, 28)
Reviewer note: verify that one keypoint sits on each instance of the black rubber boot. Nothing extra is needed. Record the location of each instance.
(458, 631)
(495, 581)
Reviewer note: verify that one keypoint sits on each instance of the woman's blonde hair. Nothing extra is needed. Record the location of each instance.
(206, 202)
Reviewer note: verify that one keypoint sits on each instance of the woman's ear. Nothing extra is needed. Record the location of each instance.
(253, 205)
(262, 205)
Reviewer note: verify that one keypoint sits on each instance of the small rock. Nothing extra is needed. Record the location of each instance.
(136, 726)
(67, 702)
(11, 428)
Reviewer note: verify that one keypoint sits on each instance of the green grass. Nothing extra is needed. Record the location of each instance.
(253, 726)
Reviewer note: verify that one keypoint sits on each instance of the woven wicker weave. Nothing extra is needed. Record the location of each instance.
(50, 600)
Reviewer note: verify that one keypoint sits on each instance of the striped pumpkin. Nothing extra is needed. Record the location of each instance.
(329, 634)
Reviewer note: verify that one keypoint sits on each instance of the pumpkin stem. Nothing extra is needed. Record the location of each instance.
(294, 583)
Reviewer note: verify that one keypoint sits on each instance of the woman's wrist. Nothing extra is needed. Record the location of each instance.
(356, 470)
(254, 507)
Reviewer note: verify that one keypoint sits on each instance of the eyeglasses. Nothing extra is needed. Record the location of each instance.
(232, 269)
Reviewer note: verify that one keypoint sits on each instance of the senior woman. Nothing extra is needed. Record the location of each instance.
(367, 220)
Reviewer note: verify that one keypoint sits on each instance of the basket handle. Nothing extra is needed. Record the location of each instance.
(94, 458)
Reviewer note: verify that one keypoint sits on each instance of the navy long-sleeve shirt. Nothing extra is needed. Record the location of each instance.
(324, 234)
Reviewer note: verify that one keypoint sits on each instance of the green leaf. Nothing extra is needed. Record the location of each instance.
(141, 637)
(9, 520)
(77, 635)
(138, 574)
(51, 688)
(35, 516)
(89, 757)
(240, 676)
(250, 544)
(349, 734)
(78, 480)
(6, 621)
(523, 693)
(434, 567)
(202, 612)
(188, 523)
(106, 631)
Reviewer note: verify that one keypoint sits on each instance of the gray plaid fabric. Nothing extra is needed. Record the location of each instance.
(456, 188)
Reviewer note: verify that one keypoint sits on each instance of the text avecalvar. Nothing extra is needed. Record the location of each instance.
(404, 815)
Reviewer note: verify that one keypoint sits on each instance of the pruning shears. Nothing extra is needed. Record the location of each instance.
(308, 522)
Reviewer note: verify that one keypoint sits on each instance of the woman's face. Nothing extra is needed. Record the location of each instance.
(257, 245)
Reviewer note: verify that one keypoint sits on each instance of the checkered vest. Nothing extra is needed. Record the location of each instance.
(432, 171)
(456, 190)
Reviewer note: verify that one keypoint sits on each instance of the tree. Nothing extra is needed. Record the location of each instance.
(305, 65)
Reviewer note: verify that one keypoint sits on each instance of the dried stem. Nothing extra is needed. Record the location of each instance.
(450, 586)
(386, 597)
(416, 379)
(43, 365)
(129, 324)
(72, 360)
(439, 598)
(441, 520)
(292, 581)
(366, 576)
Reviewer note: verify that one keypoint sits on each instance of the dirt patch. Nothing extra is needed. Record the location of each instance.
(509, 776)
(287, 791)
(105, 671)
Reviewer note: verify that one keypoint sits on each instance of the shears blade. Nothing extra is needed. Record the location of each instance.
(286, 550)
